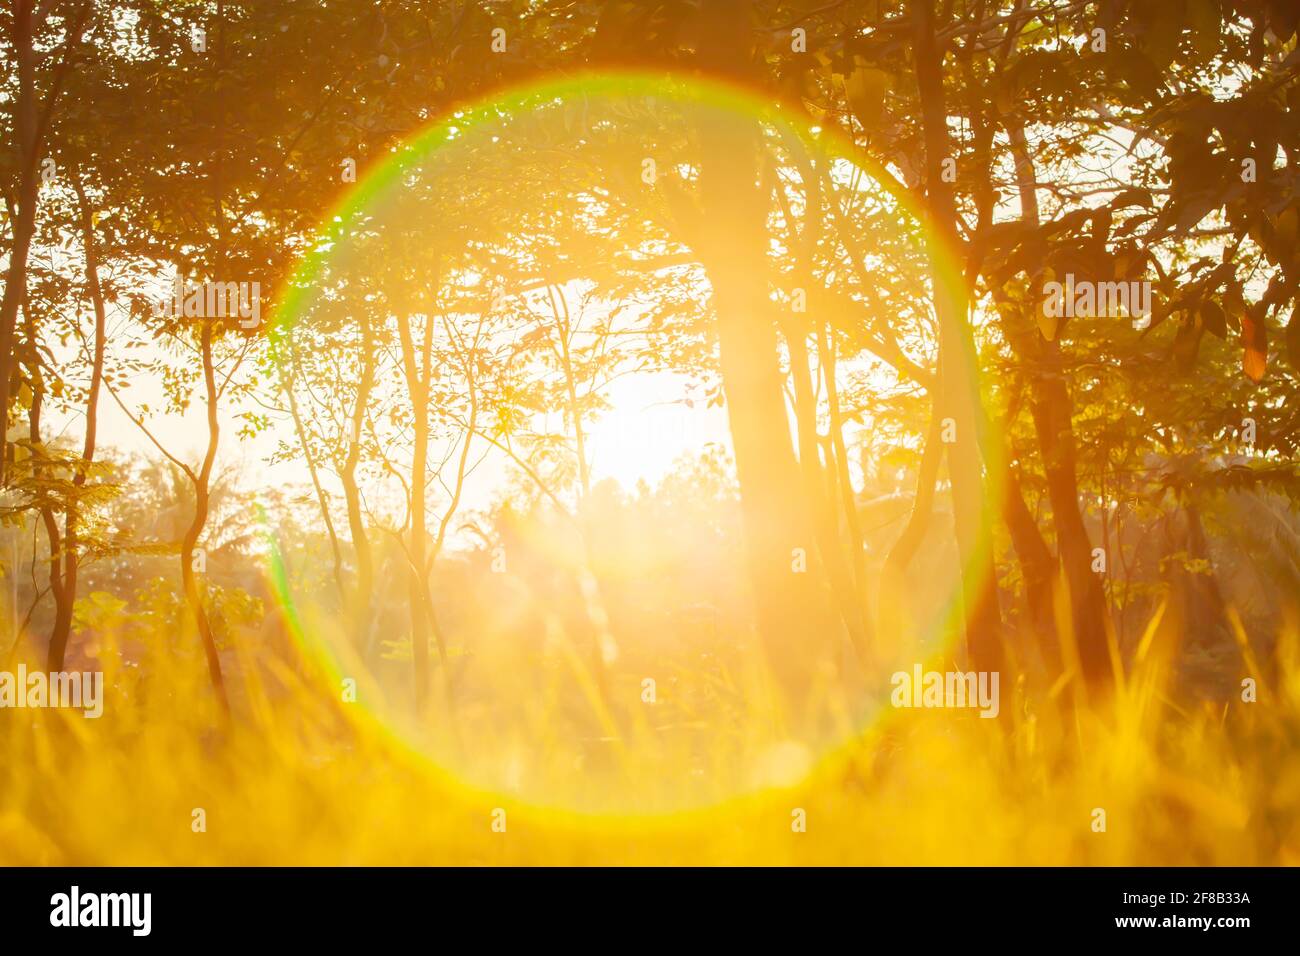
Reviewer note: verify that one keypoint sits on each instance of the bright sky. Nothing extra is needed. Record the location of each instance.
(648, 428)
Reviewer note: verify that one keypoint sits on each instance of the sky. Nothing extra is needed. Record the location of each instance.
(647, 429)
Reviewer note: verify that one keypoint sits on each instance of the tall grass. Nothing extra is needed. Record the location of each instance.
(300, 777)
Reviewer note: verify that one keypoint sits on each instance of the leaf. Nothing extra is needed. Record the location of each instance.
(1293, 338)
(866, 87)
(1254, 336)
(1234, 303)
(1216, 323)
(1187, 343)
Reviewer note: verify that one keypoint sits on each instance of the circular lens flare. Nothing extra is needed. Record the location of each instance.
(450, 328)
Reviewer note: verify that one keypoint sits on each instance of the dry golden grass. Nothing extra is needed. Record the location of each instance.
(300, 779)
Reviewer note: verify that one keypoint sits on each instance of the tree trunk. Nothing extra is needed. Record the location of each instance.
(819, 485)
(918, 522)
(1052, 410)
(363, 584)
(791, 616)
(322, 501)
(62, 602)
(959, 394)
(417, 379)
(858, 560)
(194, 589)
(596, 620)
(71, 559)
(416, 584)
(26, 143)
(1036, 562)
